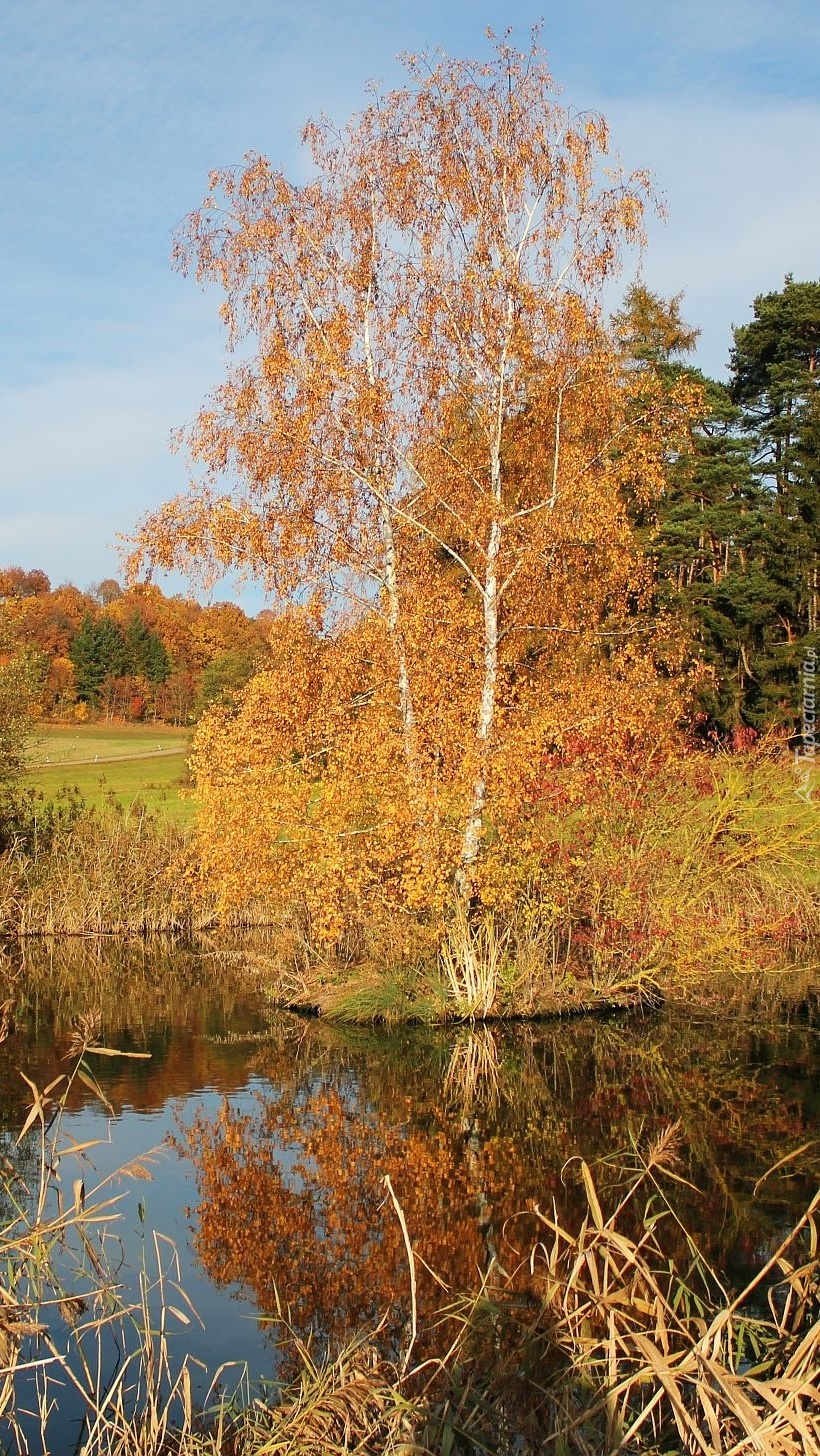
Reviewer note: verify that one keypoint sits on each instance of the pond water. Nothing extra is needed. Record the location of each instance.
(258, 1142)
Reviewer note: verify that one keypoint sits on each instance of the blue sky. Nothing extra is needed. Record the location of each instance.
(112, 114)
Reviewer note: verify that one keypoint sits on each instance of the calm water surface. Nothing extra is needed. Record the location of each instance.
(259, 1142)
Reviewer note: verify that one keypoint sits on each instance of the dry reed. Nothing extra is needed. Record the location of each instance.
(599, 1342)
(616, 1349)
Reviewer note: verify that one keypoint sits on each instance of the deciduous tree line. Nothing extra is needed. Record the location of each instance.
(123, 653)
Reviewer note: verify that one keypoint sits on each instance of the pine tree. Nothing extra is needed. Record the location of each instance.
(98, 652)
(145, 652)
(776, 381)
(724, 559)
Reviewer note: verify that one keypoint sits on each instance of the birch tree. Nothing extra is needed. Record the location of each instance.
(425, 418)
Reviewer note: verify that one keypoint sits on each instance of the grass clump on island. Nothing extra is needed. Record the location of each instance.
(595, 1339)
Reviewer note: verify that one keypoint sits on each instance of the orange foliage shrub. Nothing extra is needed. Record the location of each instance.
(303, 786)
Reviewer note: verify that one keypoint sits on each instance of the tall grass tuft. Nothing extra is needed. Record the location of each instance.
(613, 1348)
(67, 1326)
(110, 872)
(471, 959)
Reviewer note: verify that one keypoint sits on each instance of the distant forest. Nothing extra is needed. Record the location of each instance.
(125, 654)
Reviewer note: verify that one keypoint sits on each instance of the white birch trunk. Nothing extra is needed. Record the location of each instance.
(406, 710)
(474, 827)
(391, 586)
(486, 713)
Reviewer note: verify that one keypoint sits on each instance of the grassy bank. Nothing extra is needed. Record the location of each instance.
(74, 869)
(135, 765)
(94, 837)
(656, 885)
(596, 1338)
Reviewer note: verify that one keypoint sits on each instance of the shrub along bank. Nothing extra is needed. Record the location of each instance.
(649, 885)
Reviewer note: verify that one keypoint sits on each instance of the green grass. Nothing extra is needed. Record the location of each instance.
(134, 762)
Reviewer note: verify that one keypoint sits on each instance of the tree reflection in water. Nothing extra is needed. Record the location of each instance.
(473, 1129)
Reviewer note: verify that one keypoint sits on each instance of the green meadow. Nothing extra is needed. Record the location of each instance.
(141, 764)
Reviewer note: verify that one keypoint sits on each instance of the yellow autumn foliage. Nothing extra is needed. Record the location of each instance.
(429, 444)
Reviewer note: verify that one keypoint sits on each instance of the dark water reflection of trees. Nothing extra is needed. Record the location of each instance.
(473, 1127)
